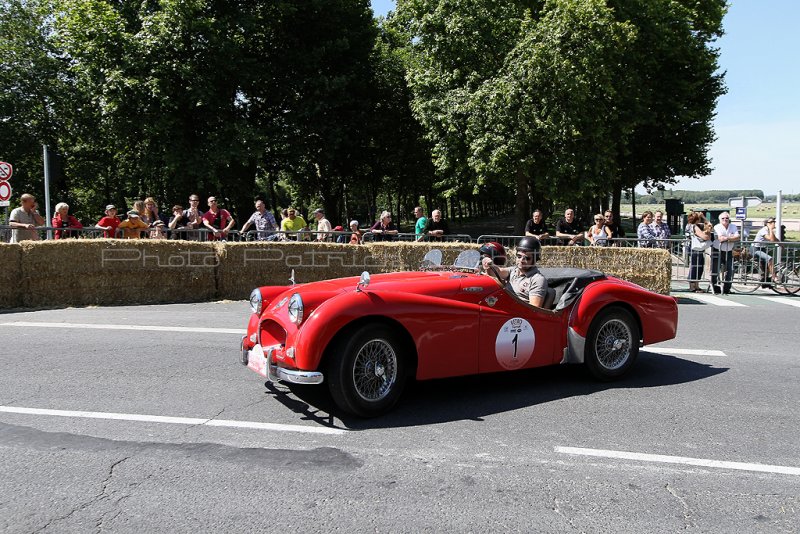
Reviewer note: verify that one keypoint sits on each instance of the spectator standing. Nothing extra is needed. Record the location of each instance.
(178, 223)
(24, 220)
(218, 220)
(133, 226)
(194, 219)
(537, 226)
(766, 234)
(617, 231)
(661, 230)
(63, 220)
(323, 225)
(293, 223)
(700, 239)
(568, 229)
(156, 220)
(598, 234)
(384, 229)
(726, 235)
(436, 227)
(355, 237)
(110, 222)
(263, 220)
(645, 233)
(419, 226)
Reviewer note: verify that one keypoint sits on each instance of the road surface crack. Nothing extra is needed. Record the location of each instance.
(687, 511)
(95, 499)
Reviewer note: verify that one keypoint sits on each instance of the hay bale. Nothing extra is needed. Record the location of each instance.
(113, 271)
(12, 284)
(647, 267)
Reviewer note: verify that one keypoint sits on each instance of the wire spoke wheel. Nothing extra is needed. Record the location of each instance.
(746, 276)
(375, 370)
(613, 344)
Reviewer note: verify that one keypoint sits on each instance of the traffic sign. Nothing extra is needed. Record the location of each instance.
(5, 191)
(744, 202)
(741, 213)
(6, 170)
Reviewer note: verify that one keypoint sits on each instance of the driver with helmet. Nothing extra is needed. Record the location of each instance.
(525, 279)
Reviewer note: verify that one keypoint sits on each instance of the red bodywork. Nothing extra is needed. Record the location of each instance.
(456, 322)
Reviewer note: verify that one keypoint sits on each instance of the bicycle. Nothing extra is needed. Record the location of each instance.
(749, 274)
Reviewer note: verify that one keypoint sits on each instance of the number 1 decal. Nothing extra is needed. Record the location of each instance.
(514, 344)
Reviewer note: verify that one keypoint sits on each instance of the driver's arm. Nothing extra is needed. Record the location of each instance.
(536, 300)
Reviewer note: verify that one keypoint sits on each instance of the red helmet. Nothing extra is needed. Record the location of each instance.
(494, 250)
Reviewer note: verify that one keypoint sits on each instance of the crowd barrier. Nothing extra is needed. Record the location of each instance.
(79, 272)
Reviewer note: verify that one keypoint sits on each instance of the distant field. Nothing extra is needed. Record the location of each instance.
(791, 210)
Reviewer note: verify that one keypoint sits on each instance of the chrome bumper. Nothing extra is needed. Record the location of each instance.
(260, 360)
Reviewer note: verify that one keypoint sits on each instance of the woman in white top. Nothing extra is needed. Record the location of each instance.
(700, 233)
(599, 234)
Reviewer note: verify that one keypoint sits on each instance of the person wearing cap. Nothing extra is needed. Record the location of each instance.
(767, 233)
(110, 222)
(355, 237)
(525, 278)
(384, 229)
(323, 225)
(133, 226)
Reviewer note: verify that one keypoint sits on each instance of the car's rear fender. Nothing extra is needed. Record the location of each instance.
(655, 314)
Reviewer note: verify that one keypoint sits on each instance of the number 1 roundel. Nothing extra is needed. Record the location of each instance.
(514, 344)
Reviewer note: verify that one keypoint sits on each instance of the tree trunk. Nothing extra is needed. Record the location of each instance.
(521, 204)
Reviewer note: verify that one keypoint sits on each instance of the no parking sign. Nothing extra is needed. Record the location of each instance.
(6, 171)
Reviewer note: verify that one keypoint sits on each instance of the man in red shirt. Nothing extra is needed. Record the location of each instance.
(218, 220)
(110, 222)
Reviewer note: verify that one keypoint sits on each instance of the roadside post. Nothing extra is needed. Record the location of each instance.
(741, 204)
(6, 172)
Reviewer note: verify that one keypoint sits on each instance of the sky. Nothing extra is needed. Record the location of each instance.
(758, 120)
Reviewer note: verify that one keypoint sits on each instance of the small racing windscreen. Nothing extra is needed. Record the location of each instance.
(432, 259)
(468, 259)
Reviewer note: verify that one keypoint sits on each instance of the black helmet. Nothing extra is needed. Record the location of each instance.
(530, 244)
(494, 250)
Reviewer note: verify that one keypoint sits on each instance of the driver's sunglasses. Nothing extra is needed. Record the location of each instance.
(526, 257)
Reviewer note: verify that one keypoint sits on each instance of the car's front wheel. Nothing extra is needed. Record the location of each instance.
(367, 370)
(612, 344)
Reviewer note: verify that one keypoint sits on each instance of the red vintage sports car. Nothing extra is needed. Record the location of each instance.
(365, 337)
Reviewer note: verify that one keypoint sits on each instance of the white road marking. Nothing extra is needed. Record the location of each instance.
(686, 352)
(784, 300)
(174, 420)
(716, 301)
(152, 328)
(701, 462)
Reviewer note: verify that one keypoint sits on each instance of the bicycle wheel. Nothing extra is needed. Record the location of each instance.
(790, 280)
(746, 276)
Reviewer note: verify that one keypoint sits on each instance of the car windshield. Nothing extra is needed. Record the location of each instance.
(432, 259)
(468, 259)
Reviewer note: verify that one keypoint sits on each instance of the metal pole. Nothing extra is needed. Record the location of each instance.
(47, 191)
(778, 221)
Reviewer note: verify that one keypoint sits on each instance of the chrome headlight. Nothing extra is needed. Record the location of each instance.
(296, 309)
(255, 301)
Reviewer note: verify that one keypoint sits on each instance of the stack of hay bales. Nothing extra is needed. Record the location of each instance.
(79, 272)
(11, 280)
(647, 267)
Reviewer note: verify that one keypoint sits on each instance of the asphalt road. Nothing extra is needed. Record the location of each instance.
(490, 453)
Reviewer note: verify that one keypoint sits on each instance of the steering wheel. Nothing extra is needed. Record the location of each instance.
(494, 272)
